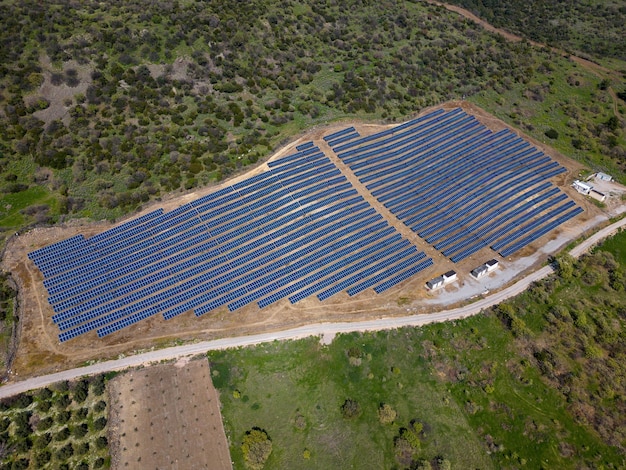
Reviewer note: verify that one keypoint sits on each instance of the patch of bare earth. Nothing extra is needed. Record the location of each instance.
(167, 417)
(60, 97)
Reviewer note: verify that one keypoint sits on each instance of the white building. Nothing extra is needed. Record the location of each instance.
(582, 188)
(492, 264)
(435, 283)
(484, 269)
(479, 272)
(603, 176)
(442, 280)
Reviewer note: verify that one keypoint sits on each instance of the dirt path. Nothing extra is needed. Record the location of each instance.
(596, 69)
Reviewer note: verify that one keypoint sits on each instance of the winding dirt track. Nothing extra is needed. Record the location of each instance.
(318, 329)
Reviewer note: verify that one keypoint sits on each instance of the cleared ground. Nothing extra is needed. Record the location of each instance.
(167, 416)
(41, 352)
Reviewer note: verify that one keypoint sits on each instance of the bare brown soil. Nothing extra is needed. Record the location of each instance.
(40, 352)
(167, 416)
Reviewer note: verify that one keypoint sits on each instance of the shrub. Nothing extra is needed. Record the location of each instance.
(256, 448)
(43, 440)
(98, 385)
(552, 134)
(42, 458)
(45, 423)
(20, 464)
(83, 448)
(350, 409)
(63, 416)
(100, 423)
(44, 405)
(80, 430)
(65, 452)
(81, 391)
(63, 434)
(63, 402)
(102, 442)
(23, 401)
(100, 406)
(386, 414)
(24, 445)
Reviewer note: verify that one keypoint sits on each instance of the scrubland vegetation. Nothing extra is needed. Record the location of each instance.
(595, 29)
(535, 382)
(106, 106)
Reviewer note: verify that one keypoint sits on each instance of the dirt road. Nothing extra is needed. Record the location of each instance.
(318, 329)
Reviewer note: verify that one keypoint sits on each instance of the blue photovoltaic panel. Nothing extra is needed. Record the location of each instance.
(300, 229)
(266, 236)
(456, 183)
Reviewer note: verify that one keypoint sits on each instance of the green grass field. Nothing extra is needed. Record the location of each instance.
(482, 388)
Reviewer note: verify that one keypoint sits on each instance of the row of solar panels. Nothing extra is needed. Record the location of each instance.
(442, 171)
(326, 235)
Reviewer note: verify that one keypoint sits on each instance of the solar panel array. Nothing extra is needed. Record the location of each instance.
(459, 185)
(294, 231)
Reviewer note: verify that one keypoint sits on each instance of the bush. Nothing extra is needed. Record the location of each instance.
(102, 442)
(43, 440)
(386, 414)
(44, 405)
(81, 391)
(63, 402)
(80, 430)
(62, 435)
(45, 423)
(20, 464)
(82, 413)
(350, 409)
(23, 445)
(552, 134)
(100, 406)
(256, 448)
(98, 385)
(42, 458)
(23, 401)
(100, 423)
(83, 448)
(65, 452)
(63, 416)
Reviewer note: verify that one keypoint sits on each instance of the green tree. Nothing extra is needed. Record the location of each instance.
(256, 448)
(386, 414)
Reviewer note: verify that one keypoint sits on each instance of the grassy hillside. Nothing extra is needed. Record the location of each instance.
(104, 106)
(537, 382)
(594, 28)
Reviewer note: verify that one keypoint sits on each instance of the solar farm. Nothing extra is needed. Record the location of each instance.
(301, 230)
